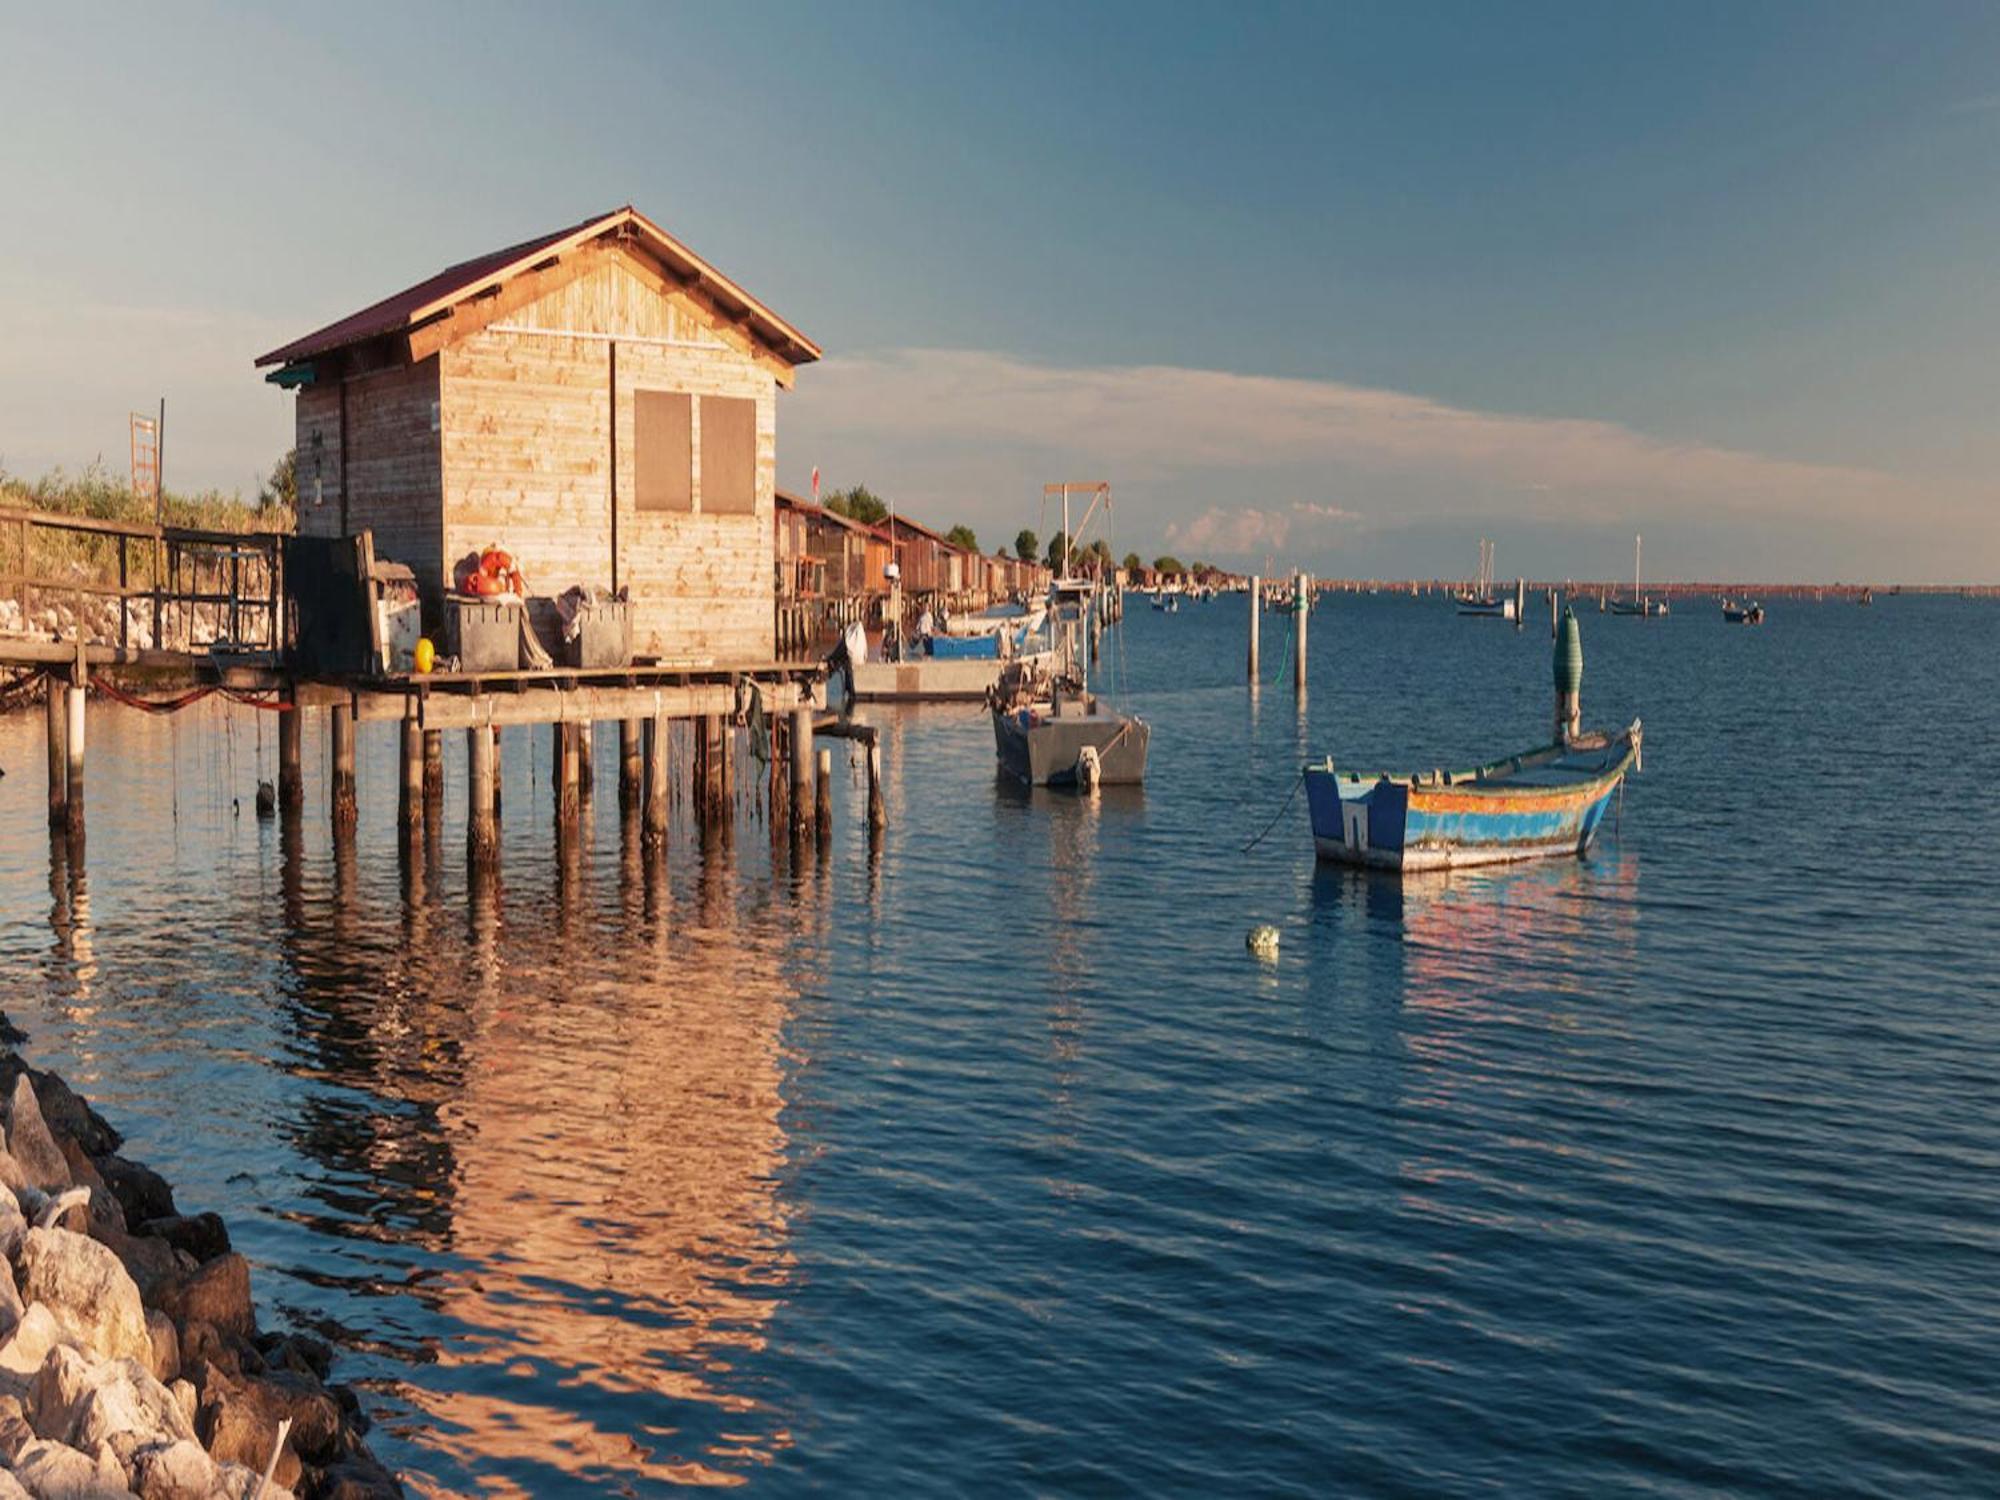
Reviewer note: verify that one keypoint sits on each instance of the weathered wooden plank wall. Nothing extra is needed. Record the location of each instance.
(528, 462)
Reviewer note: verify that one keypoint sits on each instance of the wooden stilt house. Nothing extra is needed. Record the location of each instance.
(599, 401)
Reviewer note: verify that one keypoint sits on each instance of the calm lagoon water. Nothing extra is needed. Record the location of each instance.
(996, 1164)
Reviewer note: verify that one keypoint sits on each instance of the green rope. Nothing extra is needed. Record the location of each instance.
(1285, 655)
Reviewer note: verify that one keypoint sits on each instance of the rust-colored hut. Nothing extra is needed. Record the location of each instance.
(599, 401)
(823, 552)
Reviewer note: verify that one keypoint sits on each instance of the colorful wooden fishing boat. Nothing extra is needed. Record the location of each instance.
(1543, 802)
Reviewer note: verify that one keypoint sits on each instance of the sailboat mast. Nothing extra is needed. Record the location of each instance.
(1636, 540)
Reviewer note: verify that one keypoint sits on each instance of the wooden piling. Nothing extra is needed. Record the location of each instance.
(586, 744)
(344, 807)
(878, 816)
(410, 780)
(802, 773)
(708, 767)
(291, 760)
(823, 797)
(569, 777)
(631, 765)
(779, 774)
(73, 752)
(433, 771)
(658, 739)
(58, 717)
(482, 839)
(1256, 611)
(725, 762)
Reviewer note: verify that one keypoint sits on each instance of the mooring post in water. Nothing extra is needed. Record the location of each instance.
(79, 691)
(780, 775)
(433, 771)
(658, 738)
(708, 767)
(342, 717)
(631, 765)
(291, 757)
(586, 744)
(1256, 606)
(1569, 679)
(1302, 614)
(802, 772)
(569, 776)
(482, 842)
(725, 766)
(410, 777)
(58, 716)
(823, 797)
(1520, 602)
(499, 774)
(878, 816)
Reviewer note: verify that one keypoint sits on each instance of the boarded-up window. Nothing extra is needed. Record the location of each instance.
(664, 459)
(728, 455)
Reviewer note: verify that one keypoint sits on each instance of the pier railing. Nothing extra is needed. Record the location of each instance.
(139, 587)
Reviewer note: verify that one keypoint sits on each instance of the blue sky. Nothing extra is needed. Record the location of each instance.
(1347, 287)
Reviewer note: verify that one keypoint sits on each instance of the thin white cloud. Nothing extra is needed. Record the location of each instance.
(952, 427)
(1249, 530)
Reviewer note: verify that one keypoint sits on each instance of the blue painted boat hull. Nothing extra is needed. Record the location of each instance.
(1538, 805)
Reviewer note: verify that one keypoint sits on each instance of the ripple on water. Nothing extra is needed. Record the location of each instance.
(996, 1165)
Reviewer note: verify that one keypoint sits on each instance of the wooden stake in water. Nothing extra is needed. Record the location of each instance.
(658, 738)
(58, 715)
(344, 809)
(482, 843)
(823, 797)
(410, 781)
(291, 760)
(1256, 609)
(1302, 612)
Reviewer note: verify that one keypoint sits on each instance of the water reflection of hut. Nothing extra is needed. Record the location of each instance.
(617, 1207)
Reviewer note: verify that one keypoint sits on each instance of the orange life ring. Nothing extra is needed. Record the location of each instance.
(496, 560)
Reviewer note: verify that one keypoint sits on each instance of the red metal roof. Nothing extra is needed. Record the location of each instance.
(419, 303)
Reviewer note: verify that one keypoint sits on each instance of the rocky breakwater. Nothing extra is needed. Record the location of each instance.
(130, 1358)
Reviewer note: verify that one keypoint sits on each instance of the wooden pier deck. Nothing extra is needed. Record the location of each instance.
(219, 599)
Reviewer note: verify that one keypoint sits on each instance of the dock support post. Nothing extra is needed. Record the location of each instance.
(658, 738)
(58, 715)
(499, 770)
(569, 777)
(823, 797)
(725, 767)
(73, 749)
(708, 768)
(433, 771)
(410, 779)
(482, 842)
(586, 778)
(780, 774)
(291, 759)
(344, 811)
(878, 816)
(631, 765)
(1256, 612)
(1302, 609)
(802, 772)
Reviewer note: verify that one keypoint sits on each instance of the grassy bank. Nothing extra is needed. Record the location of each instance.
(98, 493)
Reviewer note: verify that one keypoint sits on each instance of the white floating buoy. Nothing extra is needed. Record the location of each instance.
(1262, 940)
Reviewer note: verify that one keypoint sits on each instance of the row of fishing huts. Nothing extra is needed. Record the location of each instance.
(824, 555)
